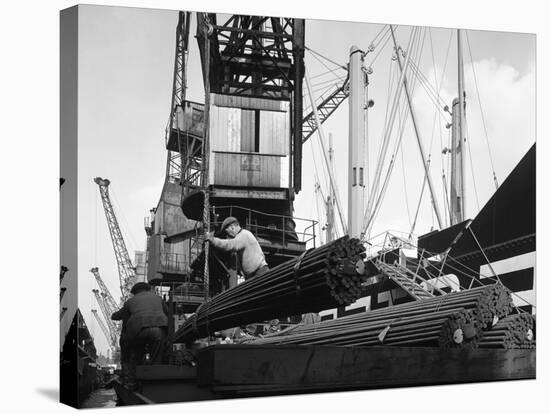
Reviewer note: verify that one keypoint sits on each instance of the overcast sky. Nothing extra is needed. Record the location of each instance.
(126, 59)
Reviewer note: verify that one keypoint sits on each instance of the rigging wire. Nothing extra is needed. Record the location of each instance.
(323, 89)
(322, 144)
(472, 167)
(393, 74)
(482, 113)
(387, 35)
(384, 27)
(472, 275)
(334, 79)
(315, 54)
(418, 137)
(320, 75)
(370, 210)
(419, 201)
(433, 92)
(318, 188)
(403, 114)
(437, 115)
(339, 79)
(405, 188)
(413, 225)
(433, 96)
(468, 272)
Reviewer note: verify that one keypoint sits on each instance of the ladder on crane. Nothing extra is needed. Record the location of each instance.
(408, 280)
(126, 270)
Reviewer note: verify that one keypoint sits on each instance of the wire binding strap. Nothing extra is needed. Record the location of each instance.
(384, 332)
(441, 301)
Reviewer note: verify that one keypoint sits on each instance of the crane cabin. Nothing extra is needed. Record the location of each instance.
(241, 148)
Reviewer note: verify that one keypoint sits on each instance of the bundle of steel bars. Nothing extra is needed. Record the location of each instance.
(321, 278)
(452, 320)
(514, 331)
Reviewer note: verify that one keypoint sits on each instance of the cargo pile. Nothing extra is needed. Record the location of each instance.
(514, 331)
(322, 278)
(455, 320)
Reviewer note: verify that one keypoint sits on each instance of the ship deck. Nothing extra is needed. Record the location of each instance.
(230, 371)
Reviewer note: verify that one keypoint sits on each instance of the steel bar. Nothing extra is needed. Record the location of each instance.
(453, 320)
(321, 278)
(514, 331)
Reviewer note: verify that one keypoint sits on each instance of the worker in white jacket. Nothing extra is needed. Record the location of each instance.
(242, 242)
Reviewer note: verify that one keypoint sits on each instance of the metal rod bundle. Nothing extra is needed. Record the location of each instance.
(514, 331)
(454, 328)
(453, 320)
(321, 278)
(450, 328)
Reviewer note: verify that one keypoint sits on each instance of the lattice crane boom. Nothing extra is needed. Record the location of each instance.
(111, 327)
(126, 271)
(325, 109)
(109, 300)
(176, 160)
(104, 329)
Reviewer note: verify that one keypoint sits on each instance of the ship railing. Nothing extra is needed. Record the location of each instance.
(266, 225)
(180, 291)
(174, 262)
(388, 241)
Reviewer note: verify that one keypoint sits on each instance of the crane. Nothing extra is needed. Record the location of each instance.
(107, 305)
(110, 301)
(180, 159)
(104, 329)
(126, 271)
(325, 109)
(111, 327)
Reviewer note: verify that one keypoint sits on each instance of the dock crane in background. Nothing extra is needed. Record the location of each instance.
(126, 270)
(108, 306)
(111, 326)
(105, 330)
(110, 301)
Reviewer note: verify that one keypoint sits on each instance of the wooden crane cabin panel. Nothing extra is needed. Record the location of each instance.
(249, 142)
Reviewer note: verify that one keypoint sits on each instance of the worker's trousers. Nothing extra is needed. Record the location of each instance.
(150, 340)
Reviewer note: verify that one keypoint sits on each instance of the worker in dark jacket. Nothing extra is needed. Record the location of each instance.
(145, 319)
(242, 242)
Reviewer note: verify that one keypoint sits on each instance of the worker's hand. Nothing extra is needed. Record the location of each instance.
(208, 236)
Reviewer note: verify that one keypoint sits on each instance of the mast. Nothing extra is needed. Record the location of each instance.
(458, 145)
(356, 160)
